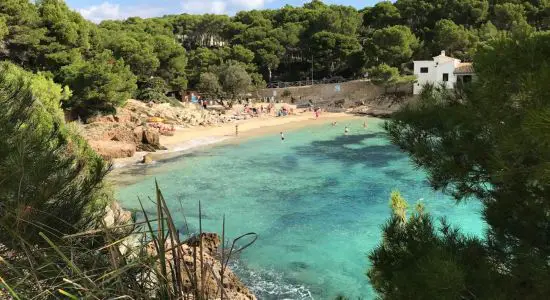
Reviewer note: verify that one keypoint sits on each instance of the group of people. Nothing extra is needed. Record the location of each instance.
(269, 109)
(346, 128)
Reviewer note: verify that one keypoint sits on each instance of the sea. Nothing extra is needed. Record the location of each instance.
(316, 202)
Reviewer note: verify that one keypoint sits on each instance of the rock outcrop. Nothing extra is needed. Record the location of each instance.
(234, 289)
(138, 126)
(112, 149)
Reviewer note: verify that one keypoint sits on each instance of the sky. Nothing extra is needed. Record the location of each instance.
(98, 10)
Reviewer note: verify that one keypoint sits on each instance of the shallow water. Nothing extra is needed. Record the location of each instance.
(316, 200)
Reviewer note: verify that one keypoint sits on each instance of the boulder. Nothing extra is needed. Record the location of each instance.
(233, 287)
(151, 137)
(138, 134)
(112, 149)
(116, 215)
(147, 158)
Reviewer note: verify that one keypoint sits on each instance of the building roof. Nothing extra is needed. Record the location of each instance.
(443, 57)
(464, 68)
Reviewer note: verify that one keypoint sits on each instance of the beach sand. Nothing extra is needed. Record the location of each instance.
(185, 139)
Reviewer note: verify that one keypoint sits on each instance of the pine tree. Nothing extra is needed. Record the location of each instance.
(488, 141)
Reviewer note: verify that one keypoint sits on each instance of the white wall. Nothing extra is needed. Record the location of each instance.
(440, 65)
(423, 78)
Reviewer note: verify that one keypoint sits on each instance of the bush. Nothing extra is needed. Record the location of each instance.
(51, 180)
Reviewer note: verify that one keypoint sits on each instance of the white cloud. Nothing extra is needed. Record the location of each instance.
(109, 11)
(97, 13)
(220, 6)
(204, 6)
(248, 4)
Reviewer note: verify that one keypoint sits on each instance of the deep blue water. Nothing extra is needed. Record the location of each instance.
(316, 200)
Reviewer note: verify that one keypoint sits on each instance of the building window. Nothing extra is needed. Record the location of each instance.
(467, 78)
(445, 77)
(423, 70)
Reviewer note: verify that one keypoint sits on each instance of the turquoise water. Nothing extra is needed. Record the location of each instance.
(317, 202)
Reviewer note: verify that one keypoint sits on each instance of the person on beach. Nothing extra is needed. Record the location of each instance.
(316, 113)
(346, 130)
(236, 129)
(282, 136)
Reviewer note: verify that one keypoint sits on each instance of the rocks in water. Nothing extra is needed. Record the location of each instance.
(298, 265)
(147, 158)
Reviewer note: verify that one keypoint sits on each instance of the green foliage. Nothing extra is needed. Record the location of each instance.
(383, 14)
(393, 45)
(388, 76)
(283, 44)
(508, 15)
(153, 89)
(399, 206)
(454, 39)
(51, 180)
(383, 74)
(138, 55)
(485, 141)
(99, 84)
(209, 85)
(332, 51)
(106, 262)
(417, 260)
(3, 28)
(235, 80)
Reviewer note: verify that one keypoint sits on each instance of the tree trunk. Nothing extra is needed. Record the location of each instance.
(269, 72)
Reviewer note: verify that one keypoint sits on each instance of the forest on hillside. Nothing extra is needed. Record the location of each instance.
(104, 64)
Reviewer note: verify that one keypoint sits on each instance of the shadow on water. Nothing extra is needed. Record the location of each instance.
(351, 150)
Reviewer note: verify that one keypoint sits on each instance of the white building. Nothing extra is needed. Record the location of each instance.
(441, 70)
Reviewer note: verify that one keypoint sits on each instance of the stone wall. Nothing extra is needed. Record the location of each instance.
(325, 94)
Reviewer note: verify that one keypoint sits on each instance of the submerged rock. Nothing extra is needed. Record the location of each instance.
(147, 159)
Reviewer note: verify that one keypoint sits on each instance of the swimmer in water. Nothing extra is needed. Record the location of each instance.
(236, 129)
(346, 130)
(282, 136)
(333, 124)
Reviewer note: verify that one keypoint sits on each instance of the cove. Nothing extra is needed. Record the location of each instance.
(316, 200)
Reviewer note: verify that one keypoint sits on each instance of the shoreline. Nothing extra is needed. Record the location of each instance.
(185, 140)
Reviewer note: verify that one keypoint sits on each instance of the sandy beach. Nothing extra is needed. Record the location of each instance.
(185, 139)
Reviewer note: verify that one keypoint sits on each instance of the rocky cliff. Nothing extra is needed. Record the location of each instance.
(137, 127)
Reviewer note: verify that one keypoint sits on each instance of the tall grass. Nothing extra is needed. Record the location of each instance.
(98, 263)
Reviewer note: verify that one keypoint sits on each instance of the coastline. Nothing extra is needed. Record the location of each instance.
(188, 139)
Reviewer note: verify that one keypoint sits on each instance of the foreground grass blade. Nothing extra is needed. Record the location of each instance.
(10, 290)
